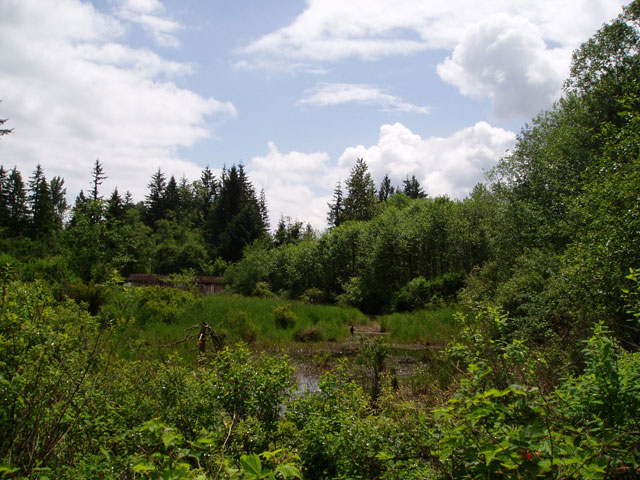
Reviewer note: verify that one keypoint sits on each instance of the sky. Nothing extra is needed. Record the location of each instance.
(294, 90)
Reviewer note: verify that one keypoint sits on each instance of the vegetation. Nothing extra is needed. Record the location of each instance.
(526, 293)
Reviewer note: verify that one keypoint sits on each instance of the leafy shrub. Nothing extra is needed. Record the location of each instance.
(419, 292)
(94, 296)
(312, 295)
(285, 318)
(262, 290)
(160, 304)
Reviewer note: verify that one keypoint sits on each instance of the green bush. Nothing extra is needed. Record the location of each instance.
(161, 304)
(284, 317)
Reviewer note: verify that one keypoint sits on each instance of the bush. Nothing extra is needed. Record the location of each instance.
(313, 295)
(285, 318)
(162, 304)
(419, 292)
(263, 290)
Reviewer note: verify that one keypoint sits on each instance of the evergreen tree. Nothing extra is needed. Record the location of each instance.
(4, 131)
(154, 200)
(17, 203)
(412, 188)
(40, 205)
(4, 197)
(235, 219)
(264, 212)
(360, 202)
(59, 200)
(288, 231)
(115, 206)
(98, 177)
(336, 208)
(171, 197)
(386, 190)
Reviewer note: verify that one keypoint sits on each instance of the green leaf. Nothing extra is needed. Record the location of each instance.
(143, 467)
(288, 471)
(251, 464)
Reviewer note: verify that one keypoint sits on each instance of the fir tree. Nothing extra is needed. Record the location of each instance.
(40, 205)
(360, 202)
(154, 200)
(98, 177)
(386, 190)
(59, 200)
(336, 208)
(16, 203)
(412, 188)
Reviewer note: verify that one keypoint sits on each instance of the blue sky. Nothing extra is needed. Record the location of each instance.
(295, 90)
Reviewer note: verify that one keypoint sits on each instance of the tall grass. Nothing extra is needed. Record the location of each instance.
(234, 319)
(433, 326)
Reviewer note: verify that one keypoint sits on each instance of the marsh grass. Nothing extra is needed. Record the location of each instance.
(433, 326)
(235, 319)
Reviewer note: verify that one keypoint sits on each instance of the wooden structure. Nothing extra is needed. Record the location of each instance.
(206, 284)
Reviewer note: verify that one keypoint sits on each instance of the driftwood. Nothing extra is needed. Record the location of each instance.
(205, 330)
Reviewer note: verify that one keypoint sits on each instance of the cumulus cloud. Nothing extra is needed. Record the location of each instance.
(300, 185)
(340, 93)
(506, 59)
(518, 57)
(296, 184)
(75, 93)
(443, 165)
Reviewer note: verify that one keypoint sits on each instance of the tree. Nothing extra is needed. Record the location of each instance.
(336, 208)
(40, 205)
(154, 200)
(235, 219)
(171, 197)
(412, 188)
(59, 200)
(264, 212)
(385, 190)
(4, 131)
(360, 202)
(98, 177)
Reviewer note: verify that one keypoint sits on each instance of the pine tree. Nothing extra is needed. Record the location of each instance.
(386, 190)
(40, 205)
(412, 188)
(171, 197)
(336, 208)
(235, 219)
(4, 197)
(360, 202)
(4, 131)
(59, 200)
(16, 203)
(115, 206)
(264, 212)
(154, 200)
(98, 177)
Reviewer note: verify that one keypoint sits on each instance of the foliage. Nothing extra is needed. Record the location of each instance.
(285, 318)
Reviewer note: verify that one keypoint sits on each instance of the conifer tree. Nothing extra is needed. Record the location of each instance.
(154, 200)
(59, 200)
(412, 188)
(360, 202)
(98, 177)
(4, 131)
(40, 205)
(336, 208)
(16, 203)
(386, 190)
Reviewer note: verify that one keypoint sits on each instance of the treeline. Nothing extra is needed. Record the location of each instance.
(199, 225)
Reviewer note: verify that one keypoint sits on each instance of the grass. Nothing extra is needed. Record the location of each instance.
(433, 326)
(233, 318)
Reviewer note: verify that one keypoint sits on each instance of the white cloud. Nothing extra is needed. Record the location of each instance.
(340, 93)
(296, 184)
(506, 59)
(76, 93)
(443, 165)
(524, 68)
(147, 13)
(300, 185)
